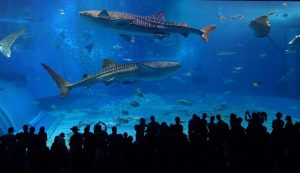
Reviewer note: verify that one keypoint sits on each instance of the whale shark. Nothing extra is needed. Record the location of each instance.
(115, 72)
(7, 42)
(128, 25)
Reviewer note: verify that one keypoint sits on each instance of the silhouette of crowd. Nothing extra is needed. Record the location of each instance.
(211, 146)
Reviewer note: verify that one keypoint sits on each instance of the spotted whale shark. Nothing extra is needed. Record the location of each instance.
(128, 25)
(115, 72)
(7, 42)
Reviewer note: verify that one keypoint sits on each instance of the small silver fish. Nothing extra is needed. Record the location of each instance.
(117, 46)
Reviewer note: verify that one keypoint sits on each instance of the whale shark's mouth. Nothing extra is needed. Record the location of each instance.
(93, 13)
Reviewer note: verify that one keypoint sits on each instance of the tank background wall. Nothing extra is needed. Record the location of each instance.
(17, 106)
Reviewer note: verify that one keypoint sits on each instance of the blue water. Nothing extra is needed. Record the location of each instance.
(215, 77)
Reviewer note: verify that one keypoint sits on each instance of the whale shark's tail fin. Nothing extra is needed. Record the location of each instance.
(206, 31)
(63, 85)
(7, 42)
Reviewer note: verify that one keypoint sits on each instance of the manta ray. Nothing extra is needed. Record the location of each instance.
(261, 28)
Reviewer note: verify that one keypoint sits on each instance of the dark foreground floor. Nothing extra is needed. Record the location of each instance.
(208, 147)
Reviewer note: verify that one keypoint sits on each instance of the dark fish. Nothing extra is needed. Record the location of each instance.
(134, 104)
(183, 102)
(285, 15)
(90, 47)
(237, 17)
(139, 92)
(122, 120)
(82, 123)
(260, 26)
(124, 112)
(221, 107)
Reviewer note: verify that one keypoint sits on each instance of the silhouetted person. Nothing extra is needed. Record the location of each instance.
(293, 158)
(100, 137)
(114, 140)
(88, 140)
(203, 128)
(33, 149)
(42, 136)
(232, 120)
(180, 148)
(289, 131)
(278, 124)
(193, 127)
(22, 147)
(88, 148)
(130, 154)
(258, 147)
(140, 130)
(164, 151)
(177, 127)
(22, 139)
(59, 153)
(277, 140)
(222, 128)
(76, 150)
(212, 131)
(152, 129)
(33, 141)
(9, 140)
(8, 151)
(115, 143)
(236, 144)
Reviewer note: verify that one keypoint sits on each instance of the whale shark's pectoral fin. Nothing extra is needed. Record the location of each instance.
(145, 69)
(103, 13)
(122, 22)
(126, 37)
(85, 76)
(109, 81)
(161, 36)
(185, 34)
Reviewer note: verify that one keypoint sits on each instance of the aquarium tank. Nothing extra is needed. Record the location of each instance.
(65, 63)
